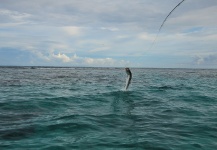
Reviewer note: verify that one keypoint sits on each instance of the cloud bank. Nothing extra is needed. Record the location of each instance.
(108, 33)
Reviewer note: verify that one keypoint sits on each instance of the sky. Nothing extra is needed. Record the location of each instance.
(108, 33)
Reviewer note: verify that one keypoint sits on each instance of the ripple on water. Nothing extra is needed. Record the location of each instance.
(86, 108)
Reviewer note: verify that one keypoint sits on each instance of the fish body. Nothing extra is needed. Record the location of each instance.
(129, 77)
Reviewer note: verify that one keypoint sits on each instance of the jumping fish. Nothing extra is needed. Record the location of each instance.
(129, 77)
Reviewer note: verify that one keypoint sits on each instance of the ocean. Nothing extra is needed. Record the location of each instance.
(57, 108)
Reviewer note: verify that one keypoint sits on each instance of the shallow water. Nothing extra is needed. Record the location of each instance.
(87, 108)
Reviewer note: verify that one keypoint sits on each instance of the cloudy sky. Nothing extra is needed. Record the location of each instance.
(108, 33)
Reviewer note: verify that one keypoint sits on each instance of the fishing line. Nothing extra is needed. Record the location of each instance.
(129, 74)
(164, 22)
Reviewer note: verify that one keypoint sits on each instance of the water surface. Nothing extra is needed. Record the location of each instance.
(87, 108)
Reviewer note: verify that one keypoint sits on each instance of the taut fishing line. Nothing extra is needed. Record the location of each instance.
(127, 69)
(164, 22)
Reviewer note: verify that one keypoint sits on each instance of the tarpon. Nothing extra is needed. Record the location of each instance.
(129, 77)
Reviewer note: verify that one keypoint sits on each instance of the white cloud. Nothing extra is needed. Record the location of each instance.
(146, 36)
(88, 61)
(72, 30)
(62, 57)
(122, 37)
(110, 28)
(100, 49)
(8, 16)
(200, 17)
(205, 59)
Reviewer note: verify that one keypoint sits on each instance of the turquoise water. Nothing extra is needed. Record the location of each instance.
(87, 108)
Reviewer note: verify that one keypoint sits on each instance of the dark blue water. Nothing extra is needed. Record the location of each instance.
(87, 108)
